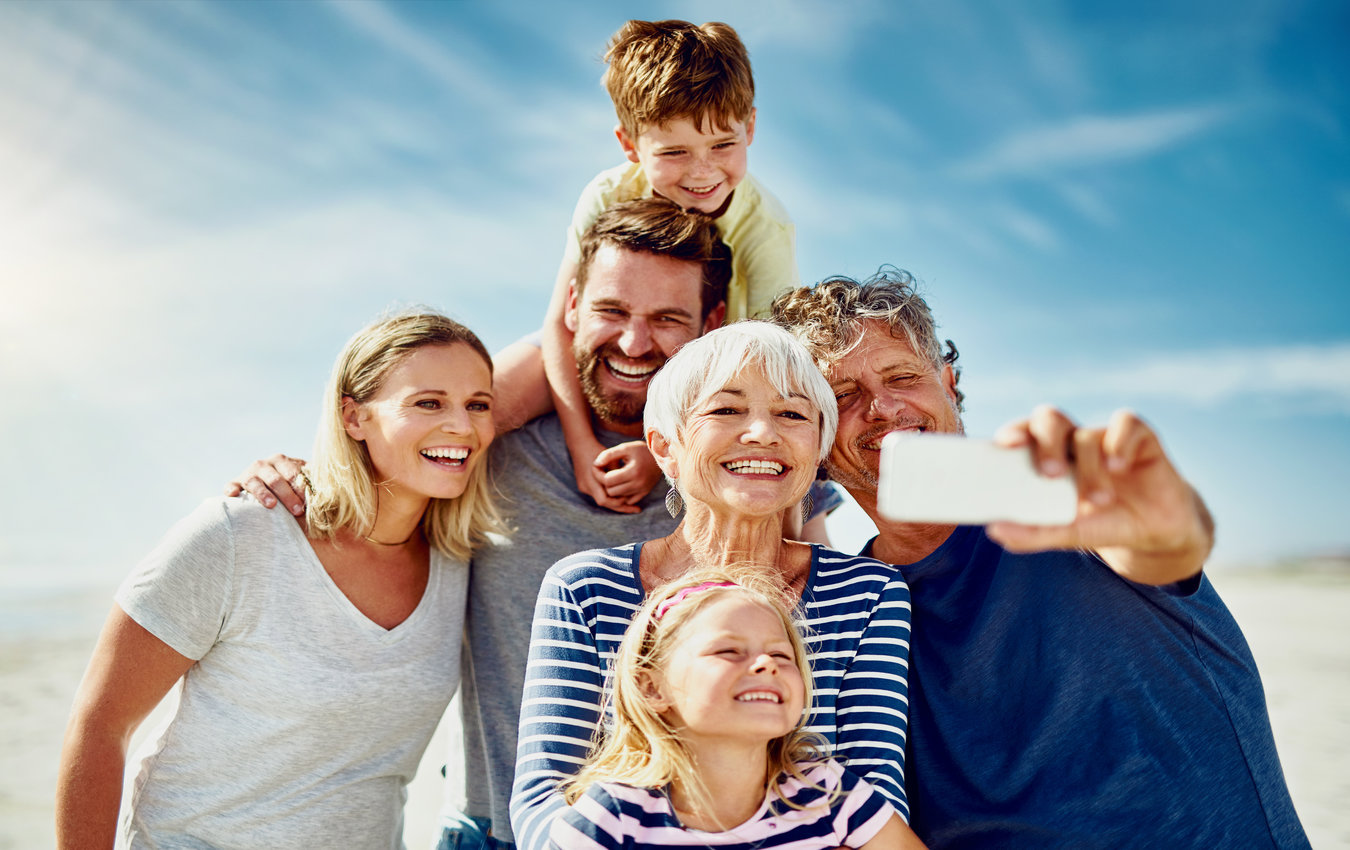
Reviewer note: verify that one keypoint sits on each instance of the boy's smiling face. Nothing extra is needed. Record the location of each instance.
(697, 170)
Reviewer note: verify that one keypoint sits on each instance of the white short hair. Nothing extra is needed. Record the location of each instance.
(704, 366)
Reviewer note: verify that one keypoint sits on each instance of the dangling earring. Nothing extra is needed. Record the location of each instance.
(807, 504)
(674, 503)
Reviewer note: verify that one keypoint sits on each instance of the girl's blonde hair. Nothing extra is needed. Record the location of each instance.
(642, 749)
(340, 478)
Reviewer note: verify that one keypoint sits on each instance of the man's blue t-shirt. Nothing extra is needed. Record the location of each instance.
(1055, 704)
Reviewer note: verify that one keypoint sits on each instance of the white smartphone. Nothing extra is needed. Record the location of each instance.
(949, 478)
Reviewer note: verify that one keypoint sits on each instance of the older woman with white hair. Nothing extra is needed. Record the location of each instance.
(740, 421)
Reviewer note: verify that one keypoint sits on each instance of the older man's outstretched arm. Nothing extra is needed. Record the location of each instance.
(1134, 508)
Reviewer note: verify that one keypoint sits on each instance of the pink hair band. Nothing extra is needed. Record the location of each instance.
(686, 592)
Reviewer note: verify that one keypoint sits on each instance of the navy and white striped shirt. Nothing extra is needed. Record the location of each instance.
(856, 613)
(833, 808)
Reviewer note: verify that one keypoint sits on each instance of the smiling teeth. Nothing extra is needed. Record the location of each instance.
(770, 466)
(452, 454)
(759, 696)
(630, 371)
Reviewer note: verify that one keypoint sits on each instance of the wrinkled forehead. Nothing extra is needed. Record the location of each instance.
(642, 278)
(728, 377)
(876, 348)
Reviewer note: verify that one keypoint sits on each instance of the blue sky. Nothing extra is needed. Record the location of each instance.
(1143, 206)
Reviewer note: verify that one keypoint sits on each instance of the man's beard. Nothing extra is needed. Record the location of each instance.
(615, 406)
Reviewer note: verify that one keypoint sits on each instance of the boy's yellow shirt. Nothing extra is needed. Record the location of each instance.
(755, 226)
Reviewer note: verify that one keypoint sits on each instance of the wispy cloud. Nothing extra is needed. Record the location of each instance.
(380, 23)
(803, 26)
(1053, 61)
(1087, 203)
(1303, 377)
(1027, 228)
(1092, 140)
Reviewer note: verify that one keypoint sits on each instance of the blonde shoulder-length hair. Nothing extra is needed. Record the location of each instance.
(642, 749)
(340, 478)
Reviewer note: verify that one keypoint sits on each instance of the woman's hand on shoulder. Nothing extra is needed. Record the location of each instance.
(273, 479)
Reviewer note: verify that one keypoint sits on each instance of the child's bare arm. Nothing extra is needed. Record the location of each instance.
(568, 399)
(519, 386)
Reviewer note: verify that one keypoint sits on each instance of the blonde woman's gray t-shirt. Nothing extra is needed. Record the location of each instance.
(302, 721)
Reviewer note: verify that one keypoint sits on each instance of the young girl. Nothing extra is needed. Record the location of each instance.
(708, 746)
(316, 657)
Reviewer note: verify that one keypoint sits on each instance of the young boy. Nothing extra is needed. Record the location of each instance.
(684, 96)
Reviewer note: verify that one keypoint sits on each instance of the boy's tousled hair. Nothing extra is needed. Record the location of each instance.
(658, 226)
(340, 478)
(660, 71)
(642, 749)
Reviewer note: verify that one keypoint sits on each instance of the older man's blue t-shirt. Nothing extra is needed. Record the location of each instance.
(1055, 704)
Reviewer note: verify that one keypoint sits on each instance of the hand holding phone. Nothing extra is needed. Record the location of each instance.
(948, 478)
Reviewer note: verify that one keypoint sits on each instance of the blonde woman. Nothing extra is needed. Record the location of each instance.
(708, 746)
(315, 657)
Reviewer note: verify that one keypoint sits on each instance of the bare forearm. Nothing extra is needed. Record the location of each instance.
(560, 367)
(568, 400)
(130, 672)
(89, 789)
(520, 389)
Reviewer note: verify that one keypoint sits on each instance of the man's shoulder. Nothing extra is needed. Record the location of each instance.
(540, 438)
(543, 435)
(546, 428)
(533, 471)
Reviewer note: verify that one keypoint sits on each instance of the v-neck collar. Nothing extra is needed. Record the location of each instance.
(364, 624)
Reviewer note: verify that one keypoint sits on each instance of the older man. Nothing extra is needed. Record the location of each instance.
(651, 278)
(1078, 686)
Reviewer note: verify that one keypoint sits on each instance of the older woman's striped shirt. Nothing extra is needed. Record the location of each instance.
(856, 612)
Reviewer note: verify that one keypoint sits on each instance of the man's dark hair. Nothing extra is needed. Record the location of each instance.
(657, 226)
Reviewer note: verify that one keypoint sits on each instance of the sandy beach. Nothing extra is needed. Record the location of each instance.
(1294, 621)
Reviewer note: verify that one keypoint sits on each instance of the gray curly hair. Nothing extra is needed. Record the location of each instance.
(828, 318)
